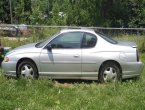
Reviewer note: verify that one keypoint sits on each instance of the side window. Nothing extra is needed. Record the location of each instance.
(67, 40)
(89, 40)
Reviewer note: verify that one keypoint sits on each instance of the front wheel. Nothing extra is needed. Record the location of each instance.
(110, 72)
(27, 69)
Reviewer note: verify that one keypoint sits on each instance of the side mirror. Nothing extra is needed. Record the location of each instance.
(49, 47)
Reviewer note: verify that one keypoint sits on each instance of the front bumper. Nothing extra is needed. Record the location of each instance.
(9, 68)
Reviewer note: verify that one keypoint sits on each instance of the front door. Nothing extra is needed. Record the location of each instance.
(64, 59)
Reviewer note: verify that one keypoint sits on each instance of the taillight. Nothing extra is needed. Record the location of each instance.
(137, 55)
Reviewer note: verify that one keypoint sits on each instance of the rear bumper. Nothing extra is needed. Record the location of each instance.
(132, 69)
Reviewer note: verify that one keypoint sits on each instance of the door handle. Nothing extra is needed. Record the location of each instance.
(76, 56)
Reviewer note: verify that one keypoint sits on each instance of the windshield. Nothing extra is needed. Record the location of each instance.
(107, 38)
(42, 43)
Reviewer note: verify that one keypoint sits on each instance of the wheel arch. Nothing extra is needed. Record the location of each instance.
(24, 59)
(110, 61)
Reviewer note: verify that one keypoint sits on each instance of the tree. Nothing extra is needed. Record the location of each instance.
(107, 13)
(137, 16)
(4, 11)
(85, 13)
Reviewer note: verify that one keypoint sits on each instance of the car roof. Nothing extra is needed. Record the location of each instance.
(79, 30)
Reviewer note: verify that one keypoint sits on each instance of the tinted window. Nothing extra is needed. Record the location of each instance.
(42, 43)
(107, 38)
(67, 40)
(89, 40)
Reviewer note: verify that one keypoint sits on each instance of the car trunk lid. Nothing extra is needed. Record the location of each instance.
(127, 43)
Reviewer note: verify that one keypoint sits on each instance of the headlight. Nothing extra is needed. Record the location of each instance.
(6, 59)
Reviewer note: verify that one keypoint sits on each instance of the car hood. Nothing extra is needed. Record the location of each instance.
(127, 43)
(24, 48)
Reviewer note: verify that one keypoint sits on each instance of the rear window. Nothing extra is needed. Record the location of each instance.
(107, 38)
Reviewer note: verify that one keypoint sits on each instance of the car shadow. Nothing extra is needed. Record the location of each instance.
(74, 81)
(80, 81)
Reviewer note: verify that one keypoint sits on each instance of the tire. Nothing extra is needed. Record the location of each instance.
(110, 72)
(27, 69)
(14, 33)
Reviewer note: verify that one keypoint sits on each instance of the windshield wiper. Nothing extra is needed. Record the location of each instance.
(37, 45)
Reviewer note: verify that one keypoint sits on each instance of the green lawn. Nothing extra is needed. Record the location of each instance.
(44, 94)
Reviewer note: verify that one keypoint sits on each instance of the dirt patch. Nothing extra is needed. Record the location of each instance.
(14, 38)
(63, 85)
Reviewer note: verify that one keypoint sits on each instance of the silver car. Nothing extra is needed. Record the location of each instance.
(75, 54)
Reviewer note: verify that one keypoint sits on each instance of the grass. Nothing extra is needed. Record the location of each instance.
(44, 94)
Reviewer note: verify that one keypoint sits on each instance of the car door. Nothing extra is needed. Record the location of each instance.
(89, 66)
(64, 58)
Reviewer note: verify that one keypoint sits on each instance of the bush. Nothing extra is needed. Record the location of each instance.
(142, 46)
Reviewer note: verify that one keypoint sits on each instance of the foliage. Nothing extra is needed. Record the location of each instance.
(4, 11)
(1, 56)
(113, 13)
(85, 13)
(38, 12)
(137, 11)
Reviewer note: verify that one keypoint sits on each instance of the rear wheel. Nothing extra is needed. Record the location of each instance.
(110, 72)
(27, 69)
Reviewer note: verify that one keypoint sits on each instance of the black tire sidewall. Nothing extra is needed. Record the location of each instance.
(35, 75)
